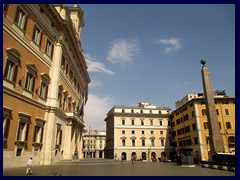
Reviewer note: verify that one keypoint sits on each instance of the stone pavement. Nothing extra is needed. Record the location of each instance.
(108, 167)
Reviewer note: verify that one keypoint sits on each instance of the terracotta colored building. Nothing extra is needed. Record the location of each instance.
(45, 83)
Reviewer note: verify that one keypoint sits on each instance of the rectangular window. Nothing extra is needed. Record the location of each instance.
(44, 90)
(228, 125)
(123, 131)
(133, 132)
(123, 121)
(226, 112)
(63, 62)
(151, 122)
(217, 111)
(71, 75)
(49, 48)
(132, 121)
(195, 140)
(160, 122)
(204, 112)
(152, 132)
(142, 132)
(142, 122)
(162, 142)
(23, 127)
(193, 127)
(10, 71)
(143, 142)
(30, 81)
(21, 19)
(205, 125)
(37, 35)
(161, 132)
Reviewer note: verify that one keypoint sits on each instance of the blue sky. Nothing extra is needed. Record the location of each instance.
(152, 52)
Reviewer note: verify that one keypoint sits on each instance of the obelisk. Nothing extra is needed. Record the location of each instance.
(215, 138)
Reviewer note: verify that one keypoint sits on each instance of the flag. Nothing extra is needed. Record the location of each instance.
(81, 111)
(78, 105)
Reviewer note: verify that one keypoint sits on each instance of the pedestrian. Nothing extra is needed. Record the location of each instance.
(29, 166)
(116, 156)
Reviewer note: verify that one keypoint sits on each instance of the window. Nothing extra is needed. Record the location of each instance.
(217, 111)
(195, 140)
(58, 140)
(37, 36)
(193, 115)
(44, 85)
(10, 71)
(189, 142)
(204, 112)
(226, 112)
(123, 131)
(142, 132)
(6, 125)
(133, 132)
(193, 127)
(30, 82)
(49, 48)
(151, 122)
(123, 111)
(63, 62)
(123, 142)
(132, 111)
(123, 121)
(161, 132)
(11, 68)
(160, 122)
(205, 124)
(220, 127)
(60, 89)
(187, 129)
(162, 142)
(152, 132)
(142, 122)
(23, 126)
(69, 104)
(152, 142)
(132, 121)
(71, 75)
(228, 125)
(21, 19)
(143, 142)
(38, 132)
(169, 124)
(30, 78)
(66, 69)
(133, 142)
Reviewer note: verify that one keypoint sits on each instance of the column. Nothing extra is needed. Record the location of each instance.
(49, 129)
(215, 138)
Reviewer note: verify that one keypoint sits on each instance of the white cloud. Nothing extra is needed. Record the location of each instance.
(95, 83)
(96, 66)
(123, 50)
(172, 44)
(95, 111)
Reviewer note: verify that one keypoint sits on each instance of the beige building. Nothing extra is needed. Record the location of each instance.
(190, 126)
(94, 143)
(45, 83)
(139, 132)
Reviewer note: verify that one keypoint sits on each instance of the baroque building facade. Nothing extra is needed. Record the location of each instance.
(190, 126)
(94, 143)
(45, 83)
(139, 132)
